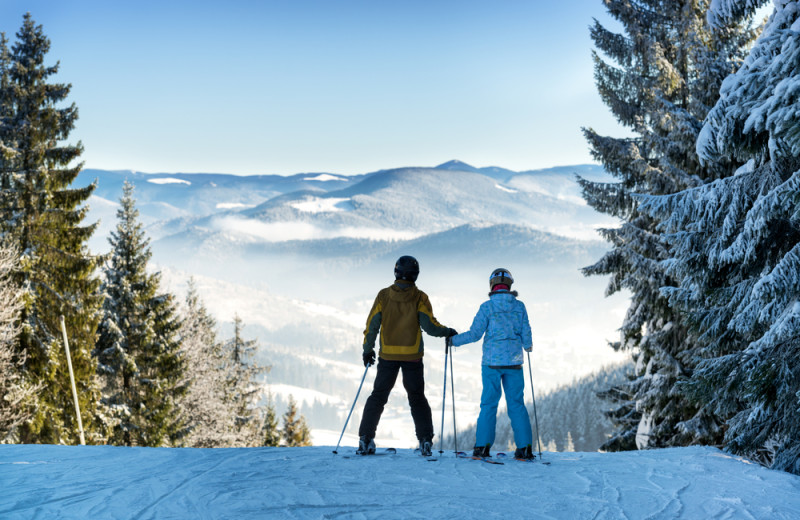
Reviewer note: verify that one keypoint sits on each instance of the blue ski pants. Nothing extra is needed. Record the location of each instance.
(513, 384)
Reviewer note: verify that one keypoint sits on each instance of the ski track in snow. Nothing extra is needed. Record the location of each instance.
(44, 482)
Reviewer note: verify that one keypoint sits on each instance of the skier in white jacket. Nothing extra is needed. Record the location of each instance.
(503, 322)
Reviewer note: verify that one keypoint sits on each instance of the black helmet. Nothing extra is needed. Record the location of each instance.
(406, 268)
(500, 276)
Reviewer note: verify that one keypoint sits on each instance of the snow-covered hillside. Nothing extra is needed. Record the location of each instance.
(72, 482)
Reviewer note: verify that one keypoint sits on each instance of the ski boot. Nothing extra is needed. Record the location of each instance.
(426, 447)
(481, 452)
(525, 453)
(366, 446)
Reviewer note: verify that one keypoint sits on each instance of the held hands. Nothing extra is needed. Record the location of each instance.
(449, 338)
(369, 358)
(529, 350)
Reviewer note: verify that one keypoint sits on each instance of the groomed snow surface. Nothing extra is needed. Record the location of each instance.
(104, 482)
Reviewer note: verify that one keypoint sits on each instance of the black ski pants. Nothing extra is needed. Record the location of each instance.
(414, 383)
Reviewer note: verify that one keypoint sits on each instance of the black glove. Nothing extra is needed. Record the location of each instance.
(369, 358)
(451, 333)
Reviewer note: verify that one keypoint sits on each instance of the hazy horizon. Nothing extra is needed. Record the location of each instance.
(347, 174)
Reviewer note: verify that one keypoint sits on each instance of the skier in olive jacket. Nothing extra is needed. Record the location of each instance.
(398, 313)
(503, 322)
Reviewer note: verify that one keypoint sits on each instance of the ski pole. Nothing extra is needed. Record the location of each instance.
(351, 409)
(453, 395)
(444, 394)
(536, 417)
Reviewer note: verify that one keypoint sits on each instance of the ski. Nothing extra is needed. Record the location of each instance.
(463, 455)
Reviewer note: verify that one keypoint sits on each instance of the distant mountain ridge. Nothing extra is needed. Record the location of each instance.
(165, 196)
(191, 192)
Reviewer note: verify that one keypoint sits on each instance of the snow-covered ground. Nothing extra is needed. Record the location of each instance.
(106, 482)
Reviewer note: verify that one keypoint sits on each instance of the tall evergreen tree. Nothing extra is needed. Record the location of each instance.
(137, 348)
(206, 407)
(663, 77)
(736, 247)
(167, 386)
(243, 384)
(43, 215)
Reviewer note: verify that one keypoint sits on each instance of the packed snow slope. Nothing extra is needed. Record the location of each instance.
(43, 482)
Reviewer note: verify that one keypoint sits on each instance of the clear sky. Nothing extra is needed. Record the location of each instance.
(260, 87)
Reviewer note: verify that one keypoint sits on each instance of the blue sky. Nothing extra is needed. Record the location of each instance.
(260, 87)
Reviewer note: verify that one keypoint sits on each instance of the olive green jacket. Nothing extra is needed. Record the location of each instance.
(398, 313)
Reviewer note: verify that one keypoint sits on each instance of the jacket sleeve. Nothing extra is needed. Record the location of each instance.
(527, 335)
(476, 331)
(426, 319)
(373, 325)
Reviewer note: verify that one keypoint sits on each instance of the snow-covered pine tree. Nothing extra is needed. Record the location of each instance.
(243, 385)
(624, 415)
(165, 357)
(43, 216)
(736, 247)
(295, 430)
(661, 80)
(7, 144)
(17, 394)
(270, 432)
(137, 347)
(205, 408)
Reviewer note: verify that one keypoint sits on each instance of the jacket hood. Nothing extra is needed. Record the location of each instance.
(403, 292)
(503, 301)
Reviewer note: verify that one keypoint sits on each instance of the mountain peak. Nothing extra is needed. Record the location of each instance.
(457, 165)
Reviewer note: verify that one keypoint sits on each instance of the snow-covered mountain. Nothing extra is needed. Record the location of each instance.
(301, 258)
(79, 482)
(403, 202)
(205, 193)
